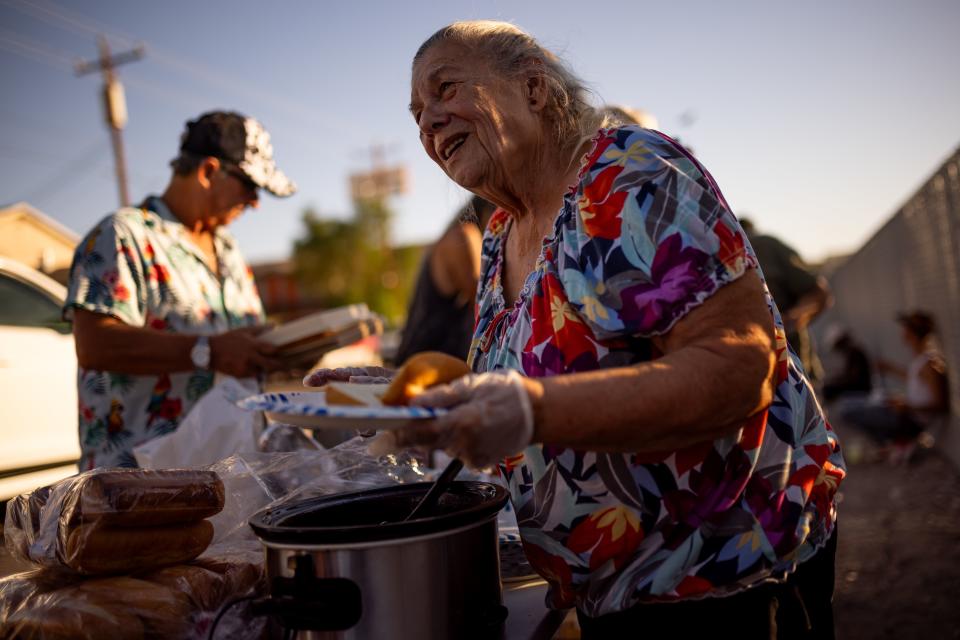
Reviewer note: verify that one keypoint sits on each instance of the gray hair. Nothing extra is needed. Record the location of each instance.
(515, 53)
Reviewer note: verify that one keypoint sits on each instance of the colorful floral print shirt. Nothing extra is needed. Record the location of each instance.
(139, 265)
(643, 238)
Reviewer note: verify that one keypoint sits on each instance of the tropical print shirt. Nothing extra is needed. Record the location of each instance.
(139, 266)
(643, 238)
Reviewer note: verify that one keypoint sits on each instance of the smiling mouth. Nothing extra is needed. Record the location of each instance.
(450, 146)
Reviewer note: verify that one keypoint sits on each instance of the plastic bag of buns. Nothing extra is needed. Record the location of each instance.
(111, 521)
(177, 602)
(23, 522)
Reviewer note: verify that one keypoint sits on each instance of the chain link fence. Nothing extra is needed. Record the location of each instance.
(913, 262)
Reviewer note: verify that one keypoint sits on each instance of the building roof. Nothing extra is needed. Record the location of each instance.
(29, 213)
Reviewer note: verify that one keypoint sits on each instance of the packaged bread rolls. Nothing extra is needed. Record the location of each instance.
(71, 620)
(176, 602)
(23, 522)
(40, 605)
(210, 581)
(240, 573)
(117, 520)
(163, 612)
(118, 607)
(205, 589)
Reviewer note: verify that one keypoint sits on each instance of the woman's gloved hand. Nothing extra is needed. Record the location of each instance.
(361, 375)
(490, 417)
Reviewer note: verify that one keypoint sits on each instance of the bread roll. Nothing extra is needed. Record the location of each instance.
(420, 372)
(145, 497)
(98, 548)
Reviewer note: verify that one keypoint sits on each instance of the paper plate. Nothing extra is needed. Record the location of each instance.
(310, 409)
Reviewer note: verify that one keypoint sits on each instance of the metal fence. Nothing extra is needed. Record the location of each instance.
(913, 262)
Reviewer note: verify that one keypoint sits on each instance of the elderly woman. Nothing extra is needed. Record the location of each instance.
(669, 464)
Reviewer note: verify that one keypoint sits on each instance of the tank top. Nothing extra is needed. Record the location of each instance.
(435, 322)
(918, 392)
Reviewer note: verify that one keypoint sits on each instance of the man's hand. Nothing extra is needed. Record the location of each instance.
(240, 354)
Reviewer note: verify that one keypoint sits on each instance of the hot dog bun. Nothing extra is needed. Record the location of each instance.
(420, 372)
(145, 497)
(98, 549)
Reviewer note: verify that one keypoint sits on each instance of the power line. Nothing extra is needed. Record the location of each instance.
(31, 49)
(68, 173)
(39, 52)
(61, 17)
(29, 155)
(71, 21)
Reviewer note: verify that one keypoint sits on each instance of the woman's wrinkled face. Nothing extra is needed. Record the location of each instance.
(477, 125)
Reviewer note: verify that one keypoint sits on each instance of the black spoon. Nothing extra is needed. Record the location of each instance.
(440, 485)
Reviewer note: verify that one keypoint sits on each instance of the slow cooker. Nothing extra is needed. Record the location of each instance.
(348, 566)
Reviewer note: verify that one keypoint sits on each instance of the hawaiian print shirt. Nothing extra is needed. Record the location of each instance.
(138, 265)
(642, 238)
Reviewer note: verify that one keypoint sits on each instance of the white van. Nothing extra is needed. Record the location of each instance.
(38, 382)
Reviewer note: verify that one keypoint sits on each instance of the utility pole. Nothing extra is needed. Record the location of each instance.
(114, 103)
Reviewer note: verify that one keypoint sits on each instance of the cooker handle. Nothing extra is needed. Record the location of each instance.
(306, 602)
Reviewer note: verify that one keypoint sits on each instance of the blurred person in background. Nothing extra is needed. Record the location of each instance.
(854, 374)
(801, 295)
(622, 114)
(441, 312)
(900, 421)
(669, 465)
(161, 298)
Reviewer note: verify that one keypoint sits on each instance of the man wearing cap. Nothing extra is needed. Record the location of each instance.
(161, 298)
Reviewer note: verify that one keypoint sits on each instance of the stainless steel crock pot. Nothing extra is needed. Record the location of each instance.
(348, 567)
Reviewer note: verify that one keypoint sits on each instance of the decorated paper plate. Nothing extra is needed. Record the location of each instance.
(310, 409)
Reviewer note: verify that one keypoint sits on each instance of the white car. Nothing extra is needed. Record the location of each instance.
(38, 382)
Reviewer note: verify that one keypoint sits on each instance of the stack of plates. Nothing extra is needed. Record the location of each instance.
(305, 340)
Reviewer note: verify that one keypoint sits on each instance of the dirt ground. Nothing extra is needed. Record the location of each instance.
(898, 560)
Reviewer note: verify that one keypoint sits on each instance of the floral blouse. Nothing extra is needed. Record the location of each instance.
(139, 266)
(643, 238)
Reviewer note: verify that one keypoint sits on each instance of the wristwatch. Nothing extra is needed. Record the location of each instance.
(200, 353)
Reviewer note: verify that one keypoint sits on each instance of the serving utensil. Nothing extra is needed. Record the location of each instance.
(440, 485)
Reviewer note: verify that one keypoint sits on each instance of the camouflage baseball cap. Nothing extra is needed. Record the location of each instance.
(240, 141)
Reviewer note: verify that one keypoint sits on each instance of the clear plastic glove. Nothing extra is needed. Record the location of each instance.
(490, 417)
(361, 375)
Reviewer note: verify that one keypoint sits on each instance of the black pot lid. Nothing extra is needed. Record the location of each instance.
(376, 515)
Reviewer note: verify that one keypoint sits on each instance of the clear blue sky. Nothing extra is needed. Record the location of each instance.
(816, 118)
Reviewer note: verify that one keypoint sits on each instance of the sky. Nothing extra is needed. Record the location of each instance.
(818, 119)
